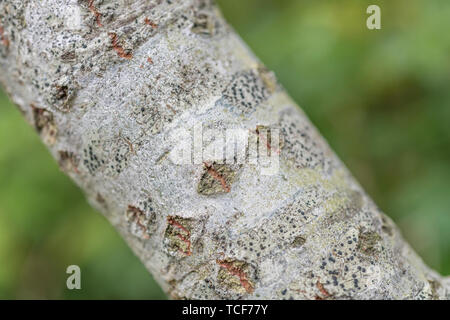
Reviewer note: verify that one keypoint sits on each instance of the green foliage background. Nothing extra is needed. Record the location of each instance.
(381, 98)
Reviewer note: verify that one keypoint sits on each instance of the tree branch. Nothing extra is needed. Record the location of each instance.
(109, 84)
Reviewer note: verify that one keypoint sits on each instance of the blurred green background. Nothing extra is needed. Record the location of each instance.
(381, 98)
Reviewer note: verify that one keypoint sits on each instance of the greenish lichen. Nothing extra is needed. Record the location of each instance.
(368, 242)
(216, 179)
(298, 241)
(178, 235)
(235, 276)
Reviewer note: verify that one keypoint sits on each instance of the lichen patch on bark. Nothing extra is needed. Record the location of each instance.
(234, 275)
(368, 242)
(3, 37)
(118, 48)
(245, 92)
(97, 15)
(45, 124)
(142, 223)
(216, 179)
(178, 235)
(68, 161)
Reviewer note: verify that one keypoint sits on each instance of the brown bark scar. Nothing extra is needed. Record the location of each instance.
(67, 161)
(118, 48)
(150, 23)
(171, 109)
(236, 271)
(322, 290)
(4, 38)
(128, 142)
(218, 177)
(171, 220)
(136, 214)
(95, 12)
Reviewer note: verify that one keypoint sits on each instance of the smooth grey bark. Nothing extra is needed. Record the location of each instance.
(107, 84)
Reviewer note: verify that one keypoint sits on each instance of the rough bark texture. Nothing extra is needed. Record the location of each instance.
(106, 97)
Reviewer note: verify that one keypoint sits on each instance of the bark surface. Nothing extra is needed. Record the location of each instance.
(109, 86)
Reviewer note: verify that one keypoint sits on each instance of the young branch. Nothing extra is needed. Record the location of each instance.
(109, 84)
